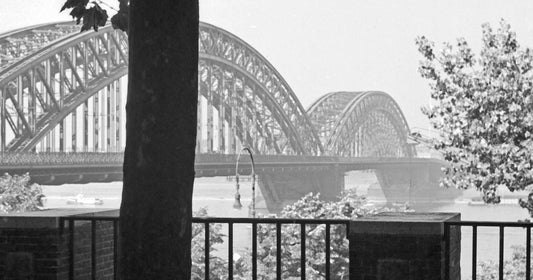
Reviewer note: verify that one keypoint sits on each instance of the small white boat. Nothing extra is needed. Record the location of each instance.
(81, 199)
(477, 202)
(503, 201)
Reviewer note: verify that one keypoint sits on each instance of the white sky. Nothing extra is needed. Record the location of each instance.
(320, 46)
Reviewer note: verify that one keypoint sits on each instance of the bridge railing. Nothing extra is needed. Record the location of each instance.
(8, 158)
(40, 159)
(60, 158)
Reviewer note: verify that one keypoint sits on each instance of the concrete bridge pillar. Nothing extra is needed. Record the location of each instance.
(414, 183)
(280, 188)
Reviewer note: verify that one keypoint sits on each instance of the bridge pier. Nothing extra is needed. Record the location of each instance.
(415, 183)
(286, 186)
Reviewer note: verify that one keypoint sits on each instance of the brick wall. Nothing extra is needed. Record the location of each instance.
(104, 247)
(30, 253)
(38, 248)
(401, 257)
(400, 246)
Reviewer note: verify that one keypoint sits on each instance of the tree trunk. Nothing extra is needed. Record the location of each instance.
(156, 210)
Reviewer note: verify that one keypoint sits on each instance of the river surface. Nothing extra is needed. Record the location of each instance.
(217, 195)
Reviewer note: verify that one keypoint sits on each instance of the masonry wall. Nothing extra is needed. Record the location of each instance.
(104, 247)
(32, 254)
(403, 257)
(43, 252)
(395, 247)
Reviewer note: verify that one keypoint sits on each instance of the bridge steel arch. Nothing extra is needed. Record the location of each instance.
(252, 96)
(77, 75)
(361, 124)
(16, 44)
(39, 89)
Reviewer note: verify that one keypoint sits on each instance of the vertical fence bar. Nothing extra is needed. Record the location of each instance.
(93, 249)
(500, 268)
(327, 251)
(206, 246)
(254, 251)
(230, 251)
(302, 251)
(446, 251)
(278, 250)
(528, 252)
(115, 249)
(474, 252)
(71, 249)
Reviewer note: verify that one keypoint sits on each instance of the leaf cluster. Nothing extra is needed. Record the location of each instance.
(483, 108)
(92, 15)
(218, 265)
(350, 206)
(17, 194)
(514, 267)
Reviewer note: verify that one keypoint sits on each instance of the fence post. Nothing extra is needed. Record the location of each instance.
(404, 246)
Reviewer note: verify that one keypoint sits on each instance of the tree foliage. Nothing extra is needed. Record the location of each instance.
(350, 206)
(483, 109)
(92, 15)
(217, 264)
(17, 194)
(513, 267)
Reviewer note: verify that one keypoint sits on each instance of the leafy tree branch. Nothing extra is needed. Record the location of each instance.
(483, 109)
(92, 15)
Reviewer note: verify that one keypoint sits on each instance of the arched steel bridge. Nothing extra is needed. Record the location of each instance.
(62, 91)
(62, 117)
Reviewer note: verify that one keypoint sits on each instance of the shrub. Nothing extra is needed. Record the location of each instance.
(217, 265)
(513, 268)
(350, 206)
(17, 194)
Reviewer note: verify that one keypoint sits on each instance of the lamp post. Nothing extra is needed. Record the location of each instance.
(237, 204)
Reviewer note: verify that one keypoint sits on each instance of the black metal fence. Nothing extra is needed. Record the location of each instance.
(90, 222)
(68, 224)
(501, 226)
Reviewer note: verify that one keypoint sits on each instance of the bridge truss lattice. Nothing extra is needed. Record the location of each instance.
(361, 124)
(63, 91)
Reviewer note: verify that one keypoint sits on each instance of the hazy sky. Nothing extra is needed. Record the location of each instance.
(342, 45)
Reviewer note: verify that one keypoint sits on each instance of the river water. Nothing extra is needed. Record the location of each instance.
(217, 195)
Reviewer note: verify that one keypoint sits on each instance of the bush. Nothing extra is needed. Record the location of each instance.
(513, 268)
(217, 265)
(350, 206)
(18, 195)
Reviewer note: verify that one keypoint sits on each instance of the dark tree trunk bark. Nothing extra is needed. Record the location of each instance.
(156, 210)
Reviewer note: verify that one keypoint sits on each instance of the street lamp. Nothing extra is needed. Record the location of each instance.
(237, 204)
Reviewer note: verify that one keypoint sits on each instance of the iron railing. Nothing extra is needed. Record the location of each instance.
(72, 158)
(59, 158)
(69, 158)
(474, 225)
(70, 221)
(68, 224)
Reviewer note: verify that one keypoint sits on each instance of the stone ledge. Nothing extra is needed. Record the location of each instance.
(398, 223)
(50, 218)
